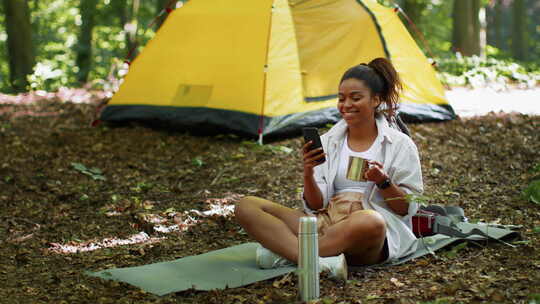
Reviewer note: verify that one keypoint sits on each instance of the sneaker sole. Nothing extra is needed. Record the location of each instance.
(344, 274)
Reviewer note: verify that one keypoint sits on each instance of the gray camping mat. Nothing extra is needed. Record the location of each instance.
(235, 266)
(433, 243)
(225, 268)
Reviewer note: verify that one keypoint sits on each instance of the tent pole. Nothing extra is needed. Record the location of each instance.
(265, 71)
(398, 9)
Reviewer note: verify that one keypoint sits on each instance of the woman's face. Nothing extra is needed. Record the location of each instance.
(355, 102)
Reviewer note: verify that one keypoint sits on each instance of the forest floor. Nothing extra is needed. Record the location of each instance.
(52, 197)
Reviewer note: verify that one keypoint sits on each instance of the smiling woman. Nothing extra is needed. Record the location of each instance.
(378, 80)
(361, 222)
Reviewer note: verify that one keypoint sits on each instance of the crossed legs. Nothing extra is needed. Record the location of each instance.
(361, 236)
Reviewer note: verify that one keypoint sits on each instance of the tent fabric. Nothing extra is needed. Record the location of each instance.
(420, 84)
(333, 36)
(195, 58)
(274, 61)
(235, 266)
(282, 92)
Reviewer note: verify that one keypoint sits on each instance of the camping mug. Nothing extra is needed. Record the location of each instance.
(357, 168)
(308, 259)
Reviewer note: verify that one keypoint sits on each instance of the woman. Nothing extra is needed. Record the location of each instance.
(360, 222)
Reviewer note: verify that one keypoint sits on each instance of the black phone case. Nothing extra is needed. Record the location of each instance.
(313, 135)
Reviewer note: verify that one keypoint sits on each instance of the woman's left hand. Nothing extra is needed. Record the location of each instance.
(375, 172)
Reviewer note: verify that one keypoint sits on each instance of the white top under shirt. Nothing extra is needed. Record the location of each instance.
(401, 162)
(341, 183)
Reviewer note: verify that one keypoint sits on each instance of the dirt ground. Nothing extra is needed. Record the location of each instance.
(52, 196)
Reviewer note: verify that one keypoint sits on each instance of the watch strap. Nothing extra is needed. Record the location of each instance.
(384, 184)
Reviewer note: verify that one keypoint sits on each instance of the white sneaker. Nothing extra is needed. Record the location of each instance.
(267, 259)
(335, 265)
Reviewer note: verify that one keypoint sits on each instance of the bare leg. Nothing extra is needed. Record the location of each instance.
(273, 225)
(361, 237)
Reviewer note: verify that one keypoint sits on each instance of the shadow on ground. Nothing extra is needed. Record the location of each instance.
(479, 164)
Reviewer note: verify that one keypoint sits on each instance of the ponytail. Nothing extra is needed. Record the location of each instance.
(383, 80)
(392, 85)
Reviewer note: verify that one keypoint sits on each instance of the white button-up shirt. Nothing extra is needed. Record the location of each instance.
(400, 161)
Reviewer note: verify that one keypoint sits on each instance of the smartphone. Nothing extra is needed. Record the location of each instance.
(311, 134)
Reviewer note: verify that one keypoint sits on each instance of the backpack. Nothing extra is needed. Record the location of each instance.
(433, 219)
(424, 221)
(397, 123)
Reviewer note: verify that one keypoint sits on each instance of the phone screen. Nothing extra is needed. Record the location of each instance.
(311, 134)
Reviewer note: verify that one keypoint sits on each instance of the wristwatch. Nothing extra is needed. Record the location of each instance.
(384, 184)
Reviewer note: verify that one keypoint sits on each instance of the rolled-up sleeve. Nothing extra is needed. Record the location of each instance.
(323, 186)
(408, 176)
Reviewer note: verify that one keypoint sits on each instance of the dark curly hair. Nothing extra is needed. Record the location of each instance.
(383, 80)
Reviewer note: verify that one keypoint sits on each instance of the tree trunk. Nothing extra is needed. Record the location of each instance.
(84, 47)
(161, 5)
(497, 25)
(414, 9)
(19, 42)
(519, 30)
(121, 10)
(475, 19)
(131, 26)
(466, 27)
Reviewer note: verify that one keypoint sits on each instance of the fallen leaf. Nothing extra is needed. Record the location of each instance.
(396, 282)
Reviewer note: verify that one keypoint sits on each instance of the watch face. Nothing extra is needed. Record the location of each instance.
(384, 184)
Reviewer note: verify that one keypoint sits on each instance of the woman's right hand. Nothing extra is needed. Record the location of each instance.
(311, 158)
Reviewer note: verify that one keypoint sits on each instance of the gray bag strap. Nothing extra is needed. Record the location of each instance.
(447, 220)
(454, 212)
(446, 225)
(397, 123)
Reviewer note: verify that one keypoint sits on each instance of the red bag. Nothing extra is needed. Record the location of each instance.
(423, 223)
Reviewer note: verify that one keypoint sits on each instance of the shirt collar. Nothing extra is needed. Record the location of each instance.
(337, 133)
(383, 127)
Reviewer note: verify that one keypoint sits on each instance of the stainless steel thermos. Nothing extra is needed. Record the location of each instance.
(308, 259)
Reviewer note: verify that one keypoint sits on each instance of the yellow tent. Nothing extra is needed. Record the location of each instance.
(268, 66)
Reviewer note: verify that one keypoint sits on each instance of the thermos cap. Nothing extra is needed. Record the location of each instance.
(307, 225)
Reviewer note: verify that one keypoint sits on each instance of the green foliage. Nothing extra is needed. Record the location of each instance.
(271, 148)
(433, 34)
(476, 71)
(436, 27)
(4, 65)
(56, 25)
(94, 173)
(534, 298)
(454, 251)
(280, 149)
(422, 200)
(532, 192)
(142, 187)
(197, 161)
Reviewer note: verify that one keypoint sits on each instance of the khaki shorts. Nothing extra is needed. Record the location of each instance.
(339, 208)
